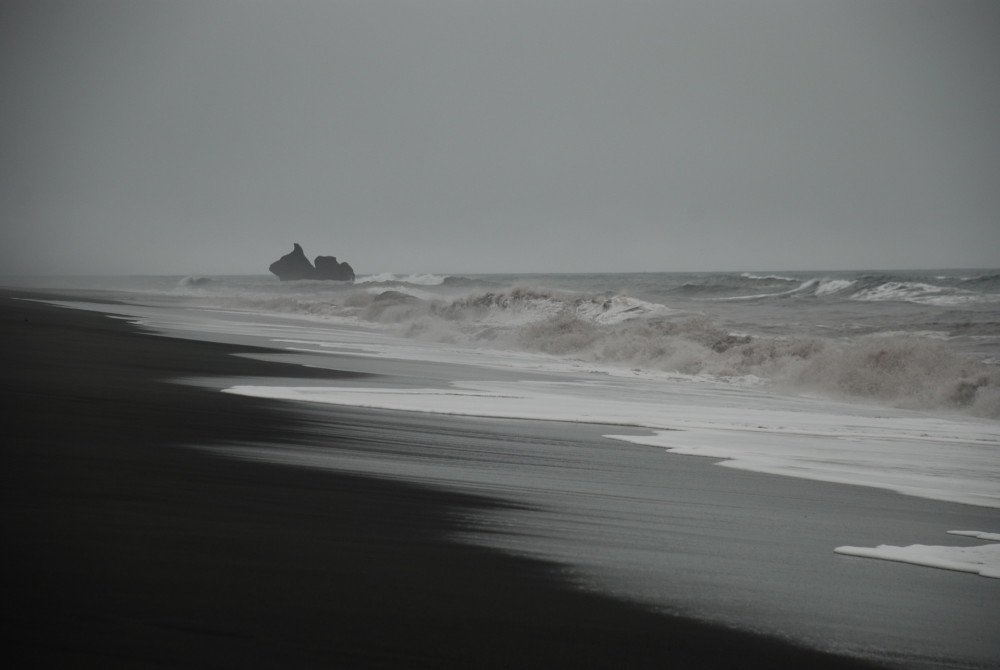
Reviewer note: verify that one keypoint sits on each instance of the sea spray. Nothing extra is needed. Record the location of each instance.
(902, 370)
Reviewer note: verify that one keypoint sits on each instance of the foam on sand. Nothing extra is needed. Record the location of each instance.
(983, 560)
(913, 454)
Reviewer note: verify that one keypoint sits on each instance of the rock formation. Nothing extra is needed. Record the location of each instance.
(327, 267)
(295, 265)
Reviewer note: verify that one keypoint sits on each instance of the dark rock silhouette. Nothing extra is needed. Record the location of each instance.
(295, 265)
(327, 267)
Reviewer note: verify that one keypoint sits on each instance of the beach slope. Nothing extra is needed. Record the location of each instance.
(128, 547)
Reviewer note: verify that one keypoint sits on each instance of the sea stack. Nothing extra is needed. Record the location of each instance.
(327, 267)
(295, 265)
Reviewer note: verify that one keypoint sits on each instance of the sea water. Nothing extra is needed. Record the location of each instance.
(915, 340)
(885, 379)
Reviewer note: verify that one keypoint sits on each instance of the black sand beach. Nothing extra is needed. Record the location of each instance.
(128, 548)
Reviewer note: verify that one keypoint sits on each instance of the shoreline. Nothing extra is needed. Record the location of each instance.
(130, 549)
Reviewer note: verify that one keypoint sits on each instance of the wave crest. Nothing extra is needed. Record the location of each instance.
(903, 371)
(194, 281)
(390, 278)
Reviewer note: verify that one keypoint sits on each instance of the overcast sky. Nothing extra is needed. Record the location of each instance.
(206, 136)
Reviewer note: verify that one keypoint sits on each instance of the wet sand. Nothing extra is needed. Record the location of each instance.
(128, 546)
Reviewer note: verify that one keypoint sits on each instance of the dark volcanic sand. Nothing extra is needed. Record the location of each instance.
(126, 548)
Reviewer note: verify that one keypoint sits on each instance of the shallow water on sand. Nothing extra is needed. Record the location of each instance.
(750, 550)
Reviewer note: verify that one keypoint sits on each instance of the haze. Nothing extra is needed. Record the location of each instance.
(206, 136)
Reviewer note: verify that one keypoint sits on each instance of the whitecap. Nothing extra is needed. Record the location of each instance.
(420, 279)
(831, 286)
(749, 275)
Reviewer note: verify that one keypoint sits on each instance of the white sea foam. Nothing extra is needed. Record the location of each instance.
(618, 309)
(982, 560)
(923, 293)
(932, 457)
(898, 291)
(832, 286)
(750, 275)
(388, 277)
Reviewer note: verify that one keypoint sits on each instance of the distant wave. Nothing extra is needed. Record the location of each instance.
(390, 278)
(463, 282)
(943, 291)
(812, 287)
(870, 288)
(922, 293)
(732, 285)
(920, 288)
(197, 282)
(769, 278)
(447, 281)
(988, 279)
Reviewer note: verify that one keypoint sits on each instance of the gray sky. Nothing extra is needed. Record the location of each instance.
(205, 136)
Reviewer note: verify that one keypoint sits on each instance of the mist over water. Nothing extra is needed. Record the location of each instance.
(916, 340)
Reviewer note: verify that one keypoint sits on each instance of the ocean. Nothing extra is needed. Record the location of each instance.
(918, 348)
(887, 382)
(921, 340)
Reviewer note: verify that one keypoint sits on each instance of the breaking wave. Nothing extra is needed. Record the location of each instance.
(787, 331)
(902, 370)
(490, 314)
